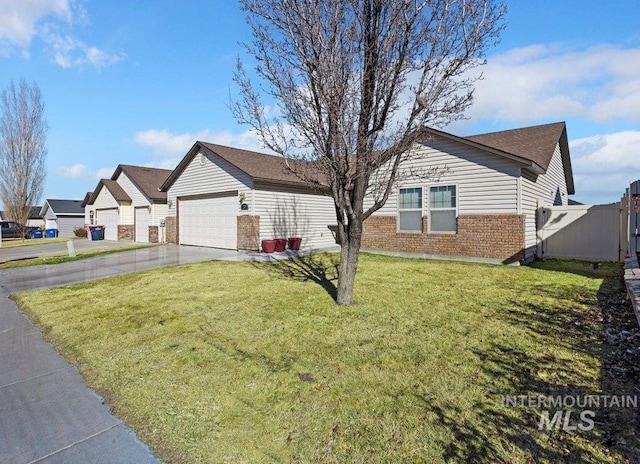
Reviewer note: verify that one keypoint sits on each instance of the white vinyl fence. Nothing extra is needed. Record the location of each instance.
(585, 232)
(633, 198)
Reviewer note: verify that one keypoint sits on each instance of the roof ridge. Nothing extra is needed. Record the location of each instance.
(536, 126)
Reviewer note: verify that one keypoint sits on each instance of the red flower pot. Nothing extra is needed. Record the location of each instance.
(281, 244)
(294, 243)
(268, 246)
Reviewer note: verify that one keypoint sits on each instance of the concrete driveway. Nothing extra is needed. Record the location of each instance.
(33, 277)
(47, 413)
(37, 248)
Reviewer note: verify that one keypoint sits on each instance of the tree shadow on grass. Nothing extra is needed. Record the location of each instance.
(320, 268)
(500, 432)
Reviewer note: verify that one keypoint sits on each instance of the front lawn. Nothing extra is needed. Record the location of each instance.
(241, 362)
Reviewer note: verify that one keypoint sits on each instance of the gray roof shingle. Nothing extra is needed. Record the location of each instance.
(148, 180)
(65, 207)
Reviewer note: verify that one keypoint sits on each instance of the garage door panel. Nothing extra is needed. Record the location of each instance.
(109, 219)
(209, 222)
(142, 221)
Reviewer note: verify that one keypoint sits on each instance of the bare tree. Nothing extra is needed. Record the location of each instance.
(353, 83)
(23, 133)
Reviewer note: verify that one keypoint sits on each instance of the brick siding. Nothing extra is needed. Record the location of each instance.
(171, 229)
(153, 234)
(248, 232)
(493, 236)
(125, 232)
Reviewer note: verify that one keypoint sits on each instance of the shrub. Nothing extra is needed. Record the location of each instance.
(80, 232)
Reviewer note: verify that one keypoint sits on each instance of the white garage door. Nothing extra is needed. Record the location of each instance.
(109, 219)
(209, 222)
(143, 221)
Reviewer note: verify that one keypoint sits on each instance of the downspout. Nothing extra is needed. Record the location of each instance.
(519, 194)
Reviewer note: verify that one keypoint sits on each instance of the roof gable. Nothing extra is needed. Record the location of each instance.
(147, 180)
(115, 189)
(532, 146)
(260, 167)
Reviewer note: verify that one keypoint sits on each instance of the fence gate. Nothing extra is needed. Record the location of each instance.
(585, 232)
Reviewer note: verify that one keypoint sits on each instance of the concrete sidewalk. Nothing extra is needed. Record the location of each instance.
(47, 414)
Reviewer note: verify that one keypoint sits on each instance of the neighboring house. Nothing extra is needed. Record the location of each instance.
(129, 205)
(63, 215)
(225, 197)
(35, 220)
(483, 207)
(35, 217)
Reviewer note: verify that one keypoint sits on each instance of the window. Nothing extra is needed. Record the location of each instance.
(410, 209)
(443, 208)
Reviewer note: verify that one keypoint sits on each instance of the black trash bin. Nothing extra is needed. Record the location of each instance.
(97, 232)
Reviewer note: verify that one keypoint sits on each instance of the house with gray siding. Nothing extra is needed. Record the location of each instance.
(63, 215)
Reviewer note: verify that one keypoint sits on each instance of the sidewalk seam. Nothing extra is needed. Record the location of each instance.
(75, 443)
(36, 376)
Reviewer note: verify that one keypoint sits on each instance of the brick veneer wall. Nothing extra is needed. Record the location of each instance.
(171, 229)
(153, 234)
(493, 236)
(248, 232)
(125, 232)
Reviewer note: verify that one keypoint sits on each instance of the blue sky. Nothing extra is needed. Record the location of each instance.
(138, 82)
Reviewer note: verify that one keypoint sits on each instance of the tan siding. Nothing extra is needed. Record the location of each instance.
(289, 212)
(137, 197)
(105, 200)
(216, 175)
(158, 211)
(540, 191)
(486, 183)
(126, 215)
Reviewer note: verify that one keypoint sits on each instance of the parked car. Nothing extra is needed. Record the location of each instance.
(12, 229)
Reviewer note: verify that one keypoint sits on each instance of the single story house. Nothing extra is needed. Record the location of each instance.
(63, 215)
(35, 220)
(129, 205)
(483, 207)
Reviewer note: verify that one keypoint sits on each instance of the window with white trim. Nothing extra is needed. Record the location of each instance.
(443, 209)
(410, 209)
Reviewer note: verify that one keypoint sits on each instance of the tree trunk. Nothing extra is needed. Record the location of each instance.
(349, 254)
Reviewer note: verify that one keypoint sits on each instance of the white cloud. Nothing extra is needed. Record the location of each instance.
(82, 172)
(604, 165)
(69, 52)
(19, 18)
(51, 21)
(169, 148)
(554, 81)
